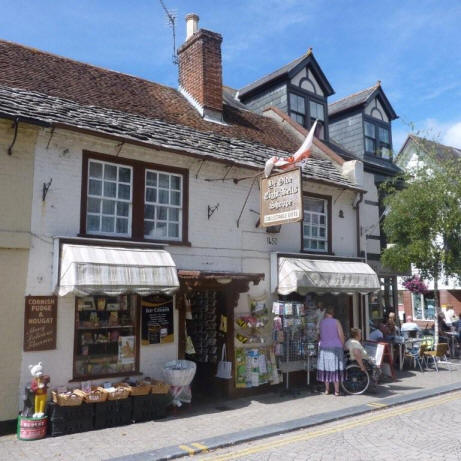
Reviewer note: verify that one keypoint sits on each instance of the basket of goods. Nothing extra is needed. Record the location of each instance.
(93, 395)
(66, 398)
(179, 372)
(116, 393)
(159, 387)
(141, 388)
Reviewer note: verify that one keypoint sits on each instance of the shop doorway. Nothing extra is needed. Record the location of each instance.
(207, 335)
(206, 303)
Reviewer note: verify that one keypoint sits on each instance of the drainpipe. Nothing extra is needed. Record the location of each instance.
(357, 219)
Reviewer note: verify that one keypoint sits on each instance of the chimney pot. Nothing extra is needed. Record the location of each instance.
(191, 24)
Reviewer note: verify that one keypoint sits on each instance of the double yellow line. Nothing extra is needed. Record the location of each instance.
(341, 427)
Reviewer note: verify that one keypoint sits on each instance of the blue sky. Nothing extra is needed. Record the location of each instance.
(412, 46)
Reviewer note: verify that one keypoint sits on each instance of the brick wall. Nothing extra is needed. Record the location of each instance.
(200, 69)
(451, 297)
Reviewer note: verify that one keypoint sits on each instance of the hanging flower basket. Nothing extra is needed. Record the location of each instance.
(415, 285)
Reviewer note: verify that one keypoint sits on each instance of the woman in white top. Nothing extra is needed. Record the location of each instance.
(355, 348)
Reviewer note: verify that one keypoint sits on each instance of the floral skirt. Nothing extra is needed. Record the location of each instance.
(330, 364)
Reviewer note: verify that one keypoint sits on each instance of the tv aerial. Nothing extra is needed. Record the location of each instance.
(171, 16)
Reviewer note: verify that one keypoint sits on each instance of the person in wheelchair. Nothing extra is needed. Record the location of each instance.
(356, 351)
(359, 357)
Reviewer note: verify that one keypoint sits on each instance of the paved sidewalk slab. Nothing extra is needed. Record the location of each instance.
(227, 422)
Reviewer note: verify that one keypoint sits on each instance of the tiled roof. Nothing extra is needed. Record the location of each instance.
(352, 100)
(37, 107)
(440, 150)
(273, 75)
(30, 69)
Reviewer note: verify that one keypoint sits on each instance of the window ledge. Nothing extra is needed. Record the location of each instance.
(111, 375)
(94, 238)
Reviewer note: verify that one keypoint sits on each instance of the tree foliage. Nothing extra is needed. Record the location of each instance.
(423, 221)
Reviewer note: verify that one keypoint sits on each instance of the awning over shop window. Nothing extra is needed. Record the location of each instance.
(87, 270)
(297, 275)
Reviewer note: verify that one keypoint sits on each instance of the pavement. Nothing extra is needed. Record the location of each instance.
(209, 426)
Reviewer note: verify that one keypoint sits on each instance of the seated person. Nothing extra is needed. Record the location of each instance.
(410, 328)
(356, 350)
(375, 333)
(457, 326)
(443, 328)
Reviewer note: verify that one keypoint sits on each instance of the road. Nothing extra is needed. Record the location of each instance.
(425, 430)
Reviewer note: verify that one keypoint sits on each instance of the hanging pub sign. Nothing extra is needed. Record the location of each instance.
(40, 323)
(157, 320)
(281, 198)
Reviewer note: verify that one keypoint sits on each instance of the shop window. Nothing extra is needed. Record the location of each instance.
(106, 336)
(315, 224)
(133, 200)
(423, 306)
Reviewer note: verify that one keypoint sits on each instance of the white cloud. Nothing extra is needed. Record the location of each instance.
(452, 136)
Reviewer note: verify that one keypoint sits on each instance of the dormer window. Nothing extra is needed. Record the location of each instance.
(305, 109)
(377, 139)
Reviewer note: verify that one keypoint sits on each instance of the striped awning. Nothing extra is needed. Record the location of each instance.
(88, 270)
(299, 275)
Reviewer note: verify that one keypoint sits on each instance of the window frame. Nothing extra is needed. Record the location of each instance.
(327, 198)
(377, 124)
(169, 205)
(308, 97)
(101, 197)
(136, 233)
(422, 300)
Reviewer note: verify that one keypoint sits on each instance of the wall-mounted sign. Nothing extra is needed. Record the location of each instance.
(40, 323)
(157, 320)
(281, 198)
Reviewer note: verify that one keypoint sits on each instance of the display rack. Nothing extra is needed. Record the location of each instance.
(202, 328)
(295, 338)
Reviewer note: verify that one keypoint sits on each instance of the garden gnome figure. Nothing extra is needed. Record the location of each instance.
(39, 387)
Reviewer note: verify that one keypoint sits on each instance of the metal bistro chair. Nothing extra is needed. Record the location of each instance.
(439, 354)
(415, 350)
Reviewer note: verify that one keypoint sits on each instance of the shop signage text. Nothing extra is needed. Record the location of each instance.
(40, 323)
(157, 320)
(281, 198)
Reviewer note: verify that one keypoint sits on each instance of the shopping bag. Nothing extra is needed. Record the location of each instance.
(224, 367)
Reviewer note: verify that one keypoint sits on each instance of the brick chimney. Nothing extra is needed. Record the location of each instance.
(200, 70)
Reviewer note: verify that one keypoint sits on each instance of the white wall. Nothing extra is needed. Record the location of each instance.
(217, 243)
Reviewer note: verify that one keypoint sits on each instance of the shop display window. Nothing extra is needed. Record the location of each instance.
(106, 336)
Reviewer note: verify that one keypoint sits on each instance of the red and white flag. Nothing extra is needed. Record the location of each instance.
(303, 152)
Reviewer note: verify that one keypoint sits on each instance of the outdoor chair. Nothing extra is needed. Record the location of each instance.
(415, 352)
(439, 354)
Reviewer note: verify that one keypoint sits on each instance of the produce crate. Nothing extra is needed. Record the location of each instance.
(69, 420)
(112, 413)
(160, 404)
(82, 411)
(142, 408)
(61, 426)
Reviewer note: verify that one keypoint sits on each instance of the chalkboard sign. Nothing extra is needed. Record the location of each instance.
(157, 320)
(40, 323)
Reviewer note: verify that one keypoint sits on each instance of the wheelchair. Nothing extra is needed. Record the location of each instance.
(356, 381)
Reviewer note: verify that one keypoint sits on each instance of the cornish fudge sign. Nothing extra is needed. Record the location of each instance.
(281, 198)
(40, 323)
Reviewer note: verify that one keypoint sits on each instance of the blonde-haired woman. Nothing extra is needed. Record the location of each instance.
(330, 363)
